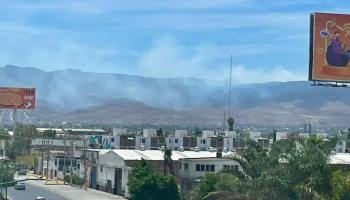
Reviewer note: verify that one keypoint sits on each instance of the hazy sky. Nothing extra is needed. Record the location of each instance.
(163, 38)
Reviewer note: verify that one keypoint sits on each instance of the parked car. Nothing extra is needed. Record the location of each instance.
(22, 172)
(40, 198)
(20, 186)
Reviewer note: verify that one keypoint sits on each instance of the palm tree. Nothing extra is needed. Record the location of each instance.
(168, 163)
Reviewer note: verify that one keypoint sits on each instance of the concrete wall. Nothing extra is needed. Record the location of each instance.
(203, 143)
(56, 142)
(119, 131)
(192, 173)
(281, 135)
(109, 162)
(181, 133)
(207, 134)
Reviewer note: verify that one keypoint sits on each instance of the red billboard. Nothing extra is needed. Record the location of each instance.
(17, 98)
(330, 47)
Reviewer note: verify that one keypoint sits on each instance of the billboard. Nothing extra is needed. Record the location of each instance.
(330, 47)
(17, 98)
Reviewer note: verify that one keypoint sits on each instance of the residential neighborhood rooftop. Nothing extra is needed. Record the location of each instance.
(130, 154)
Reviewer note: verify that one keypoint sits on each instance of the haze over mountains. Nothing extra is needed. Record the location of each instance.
(73, 95)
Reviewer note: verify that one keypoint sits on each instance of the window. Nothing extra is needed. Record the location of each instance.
(180, 165)
(236, 167)
(143, 140)
(55, 162)
(186, 166)
(212, 168)
(176, 141)
(112, 139)
(175, 148)
(78, 166)
(202, 168)
(207, 167)
(101, 168)
(198, 167)
(203, 141)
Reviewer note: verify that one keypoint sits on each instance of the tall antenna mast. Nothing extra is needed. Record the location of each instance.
(224, 122)
(229, 103)
(230, 119)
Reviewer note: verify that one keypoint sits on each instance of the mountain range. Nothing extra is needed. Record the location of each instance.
(103, 98)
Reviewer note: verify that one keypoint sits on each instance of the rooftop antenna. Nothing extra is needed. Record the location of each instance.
(229, 103)
(224, 122)
(230, 119)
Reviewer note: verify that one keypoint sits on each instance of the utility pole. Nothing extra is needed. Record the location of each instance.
(64, 160)
(1, 175)
(71, 154)
(224, 122)
(42, 157)
(47, 159)
(71, 163)
(85, 163)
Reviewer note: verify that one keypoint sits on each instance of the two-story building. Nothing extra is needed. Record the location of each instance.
(192, 169)
(114, 167)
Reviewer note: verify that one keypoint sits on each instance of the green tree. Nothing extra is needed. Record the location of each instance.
(26, 130)
(4, 135)
(160, 132)
(28, 160)
(7, 172)
(144, 183)
(168, 163)
(198, 131)
(49, 134)
(20, 144)
(290, 170)
(168, 188)
(218, 186)
(207, 185)
(340, 183)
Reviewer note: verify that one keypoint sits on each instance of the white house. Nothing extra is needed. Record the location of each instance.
(176, 142)
(281, 135)
(208, 133)
(204, 143)
(322, 135)
(149, 132)
(304, 135)
(181, 133)
(254, 134)
(119, 131)
(52, 143)
(264, 142)
(192, 169)
(340, 159)
(341, 147)
(113, 167)
(231, 134)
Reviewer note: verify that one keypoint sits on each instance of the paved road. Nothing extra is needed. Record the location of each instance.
(32, 192)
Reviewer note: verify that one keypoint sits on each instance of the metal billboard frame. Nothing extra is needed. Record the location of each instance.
(320, 82)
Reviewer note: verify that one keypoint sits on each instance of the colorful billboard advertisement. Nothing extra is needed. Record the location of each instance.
(17, 98)
(330, 47)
